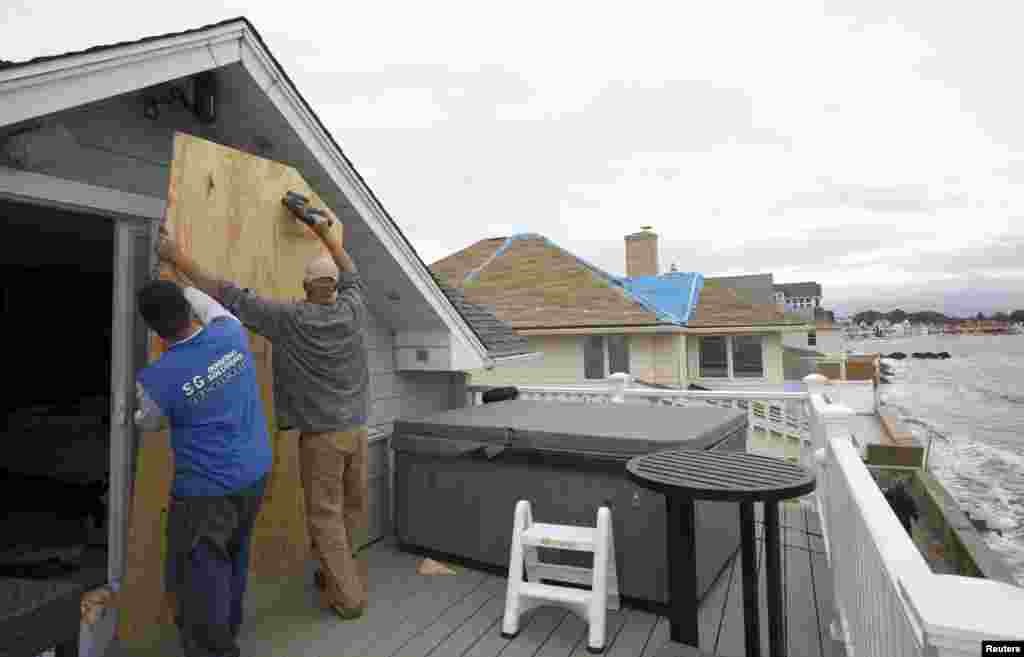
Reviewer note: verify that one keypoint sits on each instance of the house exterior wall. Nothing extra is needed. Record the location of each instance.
(830, 340)
(670, 359)
(652, 358)
(772, 355)
(111, 144)
(561, 364)
(826, 340)
(798, 340)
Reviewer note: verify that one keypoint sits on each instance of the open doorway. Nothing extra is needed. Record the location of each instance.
(56, 291)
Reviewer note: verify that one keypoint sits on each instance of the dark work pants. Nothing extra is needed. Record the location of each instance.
(208, 568)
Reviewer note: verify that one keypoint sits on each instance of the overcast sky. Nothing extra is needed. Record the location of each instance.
(876, 147)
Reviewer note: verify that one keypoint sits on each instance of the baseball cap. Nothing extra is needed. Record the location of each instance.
(321, 267)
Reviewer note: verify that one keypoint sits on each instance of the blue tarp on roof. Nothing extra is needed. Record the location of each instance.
(674, 294)
(671, 297)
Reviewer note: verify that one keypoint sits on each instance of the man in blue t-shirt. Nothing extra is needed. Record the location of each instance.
(205, 388)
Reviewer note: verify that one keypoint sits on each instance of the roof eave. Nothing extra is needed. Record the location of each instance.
(515, 359)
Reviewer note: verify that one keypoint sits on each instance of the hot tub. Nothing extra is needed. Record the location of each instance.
(459, 474)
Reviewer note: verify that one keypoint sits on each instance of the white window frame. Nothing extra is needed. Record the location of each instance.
(728, 358)
(606, 353)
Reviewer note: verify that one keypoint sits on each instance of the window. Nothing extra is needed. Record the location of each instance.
(605, 355)
(593, 357)
(618, 354)
(812, 338)
(714, 359)
(732, 357)
(747, 357)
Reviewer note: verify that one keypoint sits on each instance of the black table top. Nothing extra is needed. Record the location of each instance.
(722, 476)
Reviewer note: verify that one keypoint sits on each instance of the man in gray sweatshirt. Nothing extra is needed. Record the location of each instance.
(321, 382)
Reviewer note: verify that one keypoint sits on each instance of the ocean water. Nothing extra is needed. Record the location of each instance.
(970, 408)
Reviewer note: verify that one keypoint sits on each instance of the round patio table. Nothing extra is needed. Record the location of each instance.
(684, 476)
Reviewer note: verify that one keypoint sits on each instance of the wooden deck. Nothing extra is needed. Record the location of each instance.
(460, 616)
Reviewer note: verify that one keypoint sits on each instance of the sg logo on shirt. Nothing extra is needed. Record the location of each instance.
(197, 384)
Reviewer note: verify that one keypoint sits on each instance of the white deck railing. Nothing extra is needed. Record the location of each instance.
(887, 599)
(778, 421)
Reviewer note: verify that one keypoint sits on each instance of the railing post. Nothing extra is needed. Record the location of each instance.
(620, 381)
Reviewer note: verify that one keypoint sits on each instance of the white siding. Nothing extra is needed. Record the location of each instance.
(652, 358)
(561, 364)
(396, 395)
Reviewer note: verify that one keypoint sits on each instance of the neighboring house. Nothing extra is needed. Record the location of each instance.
(85, 142)
(672, 329)
(757, 288)
(800, 298)
(824, 336)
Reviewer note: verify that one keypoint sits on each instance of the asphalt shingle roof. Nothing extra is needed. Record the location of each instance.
(531, 283)
(499, 338)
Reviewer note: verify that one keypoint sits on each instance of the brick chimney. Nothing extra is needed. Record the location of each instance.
(642, 253)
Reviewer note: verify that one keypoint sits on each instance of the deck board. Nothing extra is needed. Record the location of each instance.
(634, 635)
(492, 643)
(823, 595)
(460, 615)
(530, 639)
(613, 626)
(430, 637)
(731, 641)
(564, 638)
(413, 613)
(801, 609)
(485, 623)
(713, 607)
(660, 635)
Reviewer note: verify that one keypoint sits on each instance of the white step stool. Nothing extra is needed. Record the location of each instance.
(590, 605)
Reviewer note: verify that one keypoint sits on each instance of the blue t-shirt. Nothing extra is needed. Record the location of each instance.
(207, 388)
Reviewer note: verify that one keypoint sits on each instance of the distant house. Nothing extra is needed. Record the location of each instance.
(756, 288)
(669, 329)
(802, 299)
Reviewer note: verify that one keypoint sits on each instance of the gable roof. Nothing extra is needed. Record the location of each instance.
(755, 288)
(807, 289)
(722, 307)
(534, 284)
(474, 327)
(499, 338)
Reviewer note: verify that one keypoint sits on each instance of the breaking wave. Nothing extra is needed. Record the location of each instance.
(969, 412)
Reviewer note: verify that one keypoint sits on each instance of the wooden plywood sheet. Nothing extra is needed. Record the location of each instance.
(224, 209)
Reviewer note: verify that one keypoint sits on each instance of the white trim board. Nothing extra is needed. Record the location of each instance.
(52, 86)
(36, 188)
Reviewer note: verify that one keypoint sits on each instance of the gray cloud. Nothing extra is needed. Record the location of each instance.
(962, 299)
(893, 198)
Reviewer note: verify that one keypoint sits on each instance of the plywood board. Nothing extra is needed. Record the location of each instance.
(224, 209)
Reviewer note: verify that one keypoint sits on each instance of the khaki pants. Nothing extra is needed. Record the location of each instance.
(334, 482)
